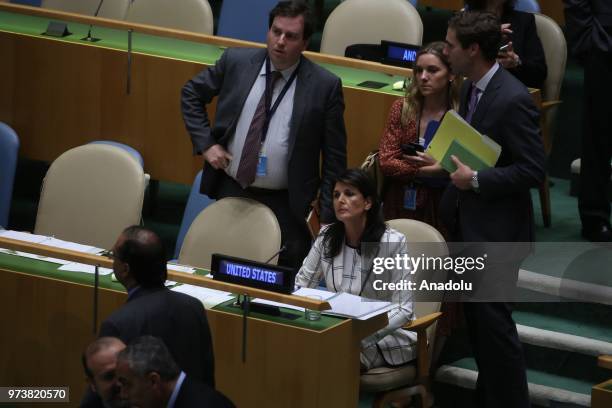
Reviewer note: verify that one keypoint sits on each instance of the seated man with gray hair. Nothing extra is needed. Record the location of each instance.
(150, 378)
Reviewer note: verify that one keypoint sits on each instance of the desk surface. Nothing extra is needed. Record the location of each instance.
(156, 45)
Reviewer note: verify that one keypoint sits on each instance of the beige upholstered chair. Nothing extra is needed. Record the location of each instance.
(232, 226)
(369, 22)
(90, 194)
(400, 383)
(115, 9)
(188, 15)
(555, 51)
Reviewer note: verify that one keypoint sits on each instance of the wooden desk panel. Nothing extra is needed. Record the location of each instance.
(47, 323)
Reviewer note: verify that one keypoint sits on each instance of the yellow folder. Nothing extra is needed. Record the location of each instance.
(456, 136)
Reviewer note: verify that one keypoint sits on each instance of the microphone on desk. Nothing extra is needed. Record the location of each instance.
(280, 251)
(89, 38)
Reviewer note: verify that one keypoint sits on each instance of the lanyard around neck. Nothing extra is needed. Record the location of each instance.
(270, 110)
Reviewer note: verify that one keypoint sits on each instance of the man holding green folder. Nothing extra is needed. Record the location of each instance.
(494, 204)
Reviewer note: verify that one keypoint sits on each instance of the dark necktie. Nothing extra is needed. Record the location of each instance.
(472, 103)
(252, 144)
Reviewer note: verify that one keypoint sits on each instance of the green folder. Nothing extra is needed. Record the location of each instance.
(465, 155)
(456, 136)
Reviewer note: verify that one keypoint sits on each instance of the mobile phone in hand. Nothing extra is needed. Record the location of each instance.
(411, 149)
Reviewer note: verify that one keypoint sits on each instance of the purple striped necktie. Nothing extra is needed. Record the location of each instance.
(252, 144)
(472, 103)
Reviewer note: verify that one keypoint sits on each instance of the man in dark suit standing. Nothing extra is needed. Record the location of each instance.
(149, 377)
(277, 113)
(179, 320)
(494, 205)
(589, 32)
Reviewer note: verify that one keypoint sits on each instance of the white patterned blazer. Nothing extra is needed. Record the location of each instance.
(396, 345)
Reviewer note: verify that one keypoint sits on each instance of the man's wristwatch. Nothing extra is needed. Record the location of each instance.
(474, 181)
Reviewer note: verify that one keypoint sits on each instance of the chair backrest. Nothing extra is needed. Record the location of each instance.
(188, 15)
(245, 19)
(9, 146)
(232, 226)
(133, 152)
(369, 22)
(114, 9)
(90, 194)
(195, 204)
(422, 239)
(555, 52)
(529, 6)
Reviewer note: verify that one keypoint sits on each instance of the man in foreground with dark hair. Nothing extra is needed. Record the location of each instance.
(99, 362)
(149, 378)
(277, 114)
(139, 263)
(494, 205)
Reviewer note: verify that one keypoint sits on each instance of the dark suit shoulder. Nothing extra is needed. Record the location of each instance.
(243, 53)
(194, 394)
(520, 17)
(147, 304)
(510, 85)
(322, 74)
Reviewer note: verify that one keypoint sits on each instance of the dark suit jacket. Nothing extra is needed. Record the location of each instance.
(588, 25)
(178, 319)
(527, 45)
(317, 123)
(501, 211)
(194, 394)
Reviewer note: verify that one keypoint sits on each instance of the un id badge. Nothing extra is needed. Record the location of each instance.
(410, 195)
(262, 165)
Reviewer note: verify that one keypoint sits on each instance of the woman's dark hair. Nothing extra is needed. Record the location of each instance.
(334, 236)
(481, 5)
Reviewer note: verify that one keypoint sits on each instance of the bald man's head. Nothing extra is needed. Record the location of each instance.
(140, 256)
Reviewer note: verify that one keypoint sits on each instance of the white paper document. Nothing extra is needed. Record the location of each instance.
(84, 268)
(347, 305)
(180, 268)
(72, 246)
(23, 236)
(209, 297)
(325, 294)
(356, 307)
(34, 256)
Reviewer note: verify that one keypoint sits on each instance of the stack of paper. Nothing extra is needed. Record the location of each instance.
(456, 137)
(347, 305)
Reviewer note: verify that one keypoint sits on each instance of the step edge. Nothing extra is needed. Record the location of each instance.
(563, 341)
(572, 289)
(538, 394)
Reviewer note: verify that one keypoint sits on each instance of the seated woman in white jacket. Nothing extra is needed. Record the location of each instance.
(343, 254)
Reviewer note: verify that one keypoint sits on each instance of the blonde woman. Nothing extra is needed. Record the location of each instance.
(414, 183)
